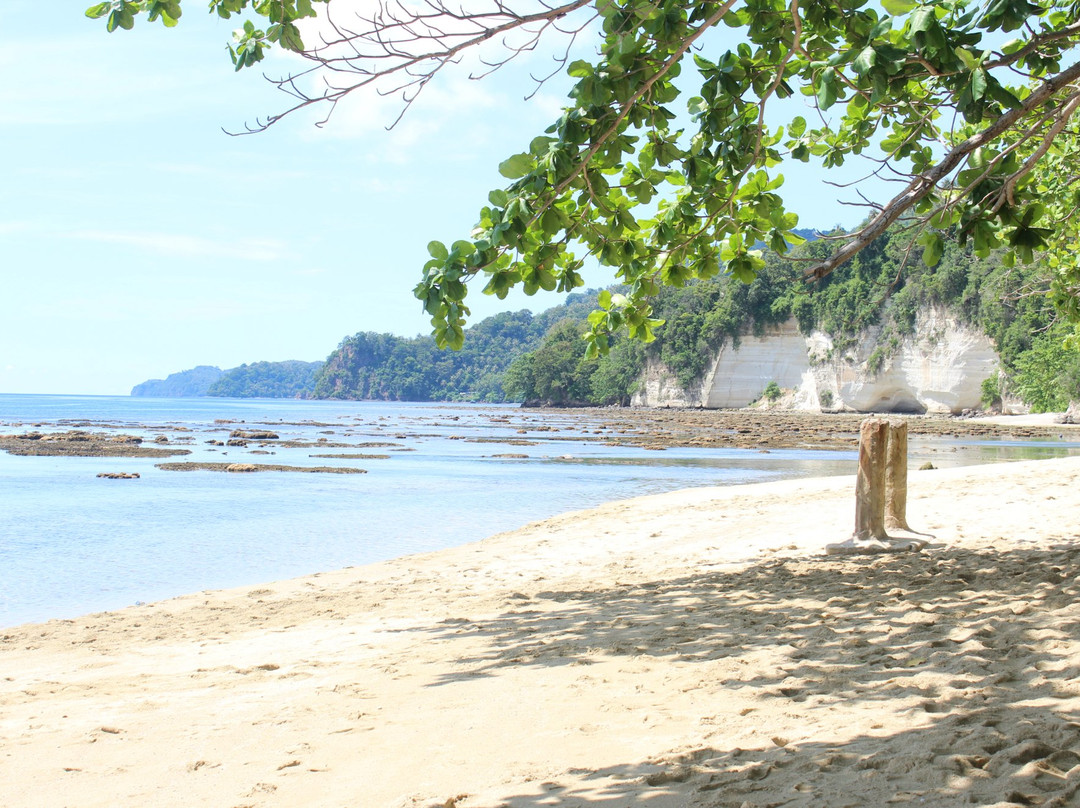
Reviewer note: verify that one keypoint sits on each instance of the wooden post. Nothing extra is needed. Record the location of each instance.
(870, 482)
(880, 491)
(896, 477)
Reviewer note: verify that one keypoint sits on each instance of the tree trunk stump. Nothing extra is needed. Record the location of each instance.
(896, 477)
(870, 482)
(880, 491)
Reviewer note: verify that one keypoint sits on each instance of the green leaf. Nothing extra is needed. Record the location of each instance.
(898, 8)
(517, 166)
(923, 20)
(967, 57)
(580, 69)
(865, 61)
(826, 92)
(98, 11)
(437, 250)
(979, 80)
(462, 248)
(455, 338)
(539, 145)
(551, 222)
(933, 247)
(289, 38)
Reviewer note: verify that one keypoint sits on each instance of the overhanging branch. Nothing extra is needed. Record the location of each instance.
(924, 183)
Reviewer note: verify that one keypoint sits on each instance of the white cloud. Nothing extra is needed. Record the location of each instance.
(194, 246)
(17, 226)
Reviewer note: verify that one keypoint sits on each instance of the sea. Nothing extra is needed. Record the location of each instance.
(437, 476)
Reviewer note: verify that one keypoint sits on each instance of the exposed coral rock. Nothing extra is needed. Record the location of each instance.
(253, 467)
(78, 443)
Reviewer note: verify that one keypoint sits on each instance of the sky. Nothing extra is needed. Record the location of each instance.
(138, 239)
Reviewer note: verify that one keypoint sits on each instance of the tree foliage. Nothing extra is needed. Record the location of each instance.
(966, 105)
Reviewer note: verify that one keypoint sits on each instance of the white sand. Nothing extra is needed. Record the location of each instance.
(687, 649)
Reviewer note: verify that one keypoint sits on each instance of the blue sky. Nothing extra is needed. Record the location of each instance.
(138, 239)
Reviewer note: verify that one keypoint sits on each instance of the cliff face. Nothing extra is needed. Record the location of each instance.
(939, 368)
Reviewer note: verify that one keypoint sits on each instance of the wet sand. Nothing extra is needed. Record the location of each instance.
(688, 649)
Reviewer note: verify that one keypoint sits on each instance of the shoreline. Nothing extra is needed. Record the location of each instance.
(683, 648)
(255, 534)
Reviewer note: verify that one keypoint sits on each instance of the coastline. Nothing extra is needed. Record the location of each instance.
(78, 544)
(689, 648)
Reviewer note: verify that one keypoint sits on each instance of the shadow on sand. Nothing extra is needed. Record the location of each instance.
(981, 648)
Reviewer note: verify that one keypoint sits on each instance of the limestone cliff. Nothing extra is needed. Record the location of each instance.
(939, 368)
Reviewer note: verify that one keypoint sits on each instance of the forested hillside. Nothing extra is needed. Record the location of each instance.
(289, 379)
(385, 367)
(886, 284)
(185, 383)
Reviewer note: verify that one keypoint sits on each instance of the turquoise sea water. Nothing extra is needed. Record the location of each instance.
(71, 543)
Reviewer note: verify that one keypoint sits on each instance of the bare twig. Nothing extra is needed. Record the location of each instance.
(399, 50)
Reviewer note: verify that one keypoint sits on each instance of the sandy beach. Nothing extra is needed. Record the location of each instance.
(688, 649)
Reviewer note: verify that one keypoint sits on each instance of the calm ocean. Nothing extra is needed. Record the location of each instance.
(71, 543)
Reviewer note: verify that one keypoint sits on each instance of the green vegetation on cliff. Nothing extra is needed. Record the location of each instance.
(885, 284)
(289, 379)
(385, 367)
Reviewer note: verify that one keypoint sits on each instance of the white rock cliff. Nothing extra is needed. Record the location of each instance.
(939, 368)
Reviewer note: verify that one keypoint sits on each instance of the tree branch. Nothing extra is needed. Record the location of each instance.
(641, 92)
(924, 183)
(390, 35)
(1062, 121)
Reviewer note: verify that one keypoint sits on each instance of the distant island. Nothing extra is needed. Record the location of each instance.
(289, 379)
(194, 382)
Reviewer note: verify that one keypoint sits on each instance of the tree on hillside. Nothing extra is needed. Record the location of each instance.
(966, 106)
